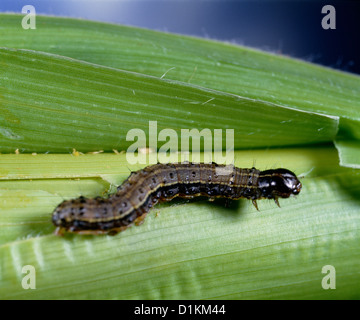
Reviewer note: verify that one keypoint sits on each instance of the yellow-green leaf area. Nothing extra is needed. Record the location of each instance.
(184, 249)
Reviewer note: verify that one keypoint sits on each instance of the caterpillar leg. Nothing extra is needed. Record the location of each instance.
(115, 231)
(277, 202)
(255, 205)
(59, 231)
(140, 220)
(228, 203)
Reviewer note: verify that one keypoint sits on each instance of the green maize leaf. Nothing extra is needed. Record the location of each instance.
(219, 66)
(54, 104)
(184, 249)
(349, 153)
(347, 143)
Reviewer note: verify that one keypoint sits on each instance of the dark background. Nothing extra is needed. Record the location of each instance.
(288, 27)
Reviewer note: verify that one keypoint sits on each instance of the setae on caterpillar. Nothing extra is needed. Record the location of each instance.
(163, 182)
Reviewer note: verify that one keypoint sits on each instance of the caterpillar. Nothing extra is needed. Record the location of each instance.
(162, 182)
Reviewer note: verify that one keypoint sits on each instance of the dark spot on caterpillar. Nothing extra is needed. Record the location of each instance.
(126, 206)
(81, 210)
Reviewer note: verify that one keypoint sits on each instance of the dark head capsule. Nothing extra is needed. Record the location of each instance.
(278, 183)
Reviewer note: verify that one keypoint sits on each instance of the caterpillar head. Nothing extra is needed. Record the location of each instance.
(278, 183)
